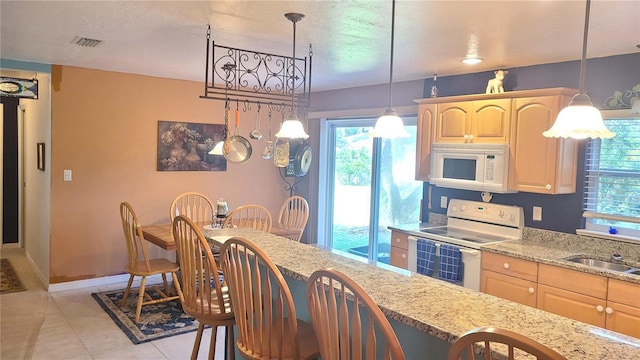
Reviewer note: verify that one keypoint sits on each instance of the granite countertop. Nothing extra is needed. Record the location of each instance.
(438, 308)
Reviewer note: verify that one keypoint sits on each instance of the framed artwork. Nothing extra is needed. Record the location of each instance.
(23, 88)
(40, 158)
(185, 147)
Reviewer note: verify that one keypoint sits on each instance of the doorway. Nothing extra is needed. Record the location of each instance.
(10, 171)
(369, 186)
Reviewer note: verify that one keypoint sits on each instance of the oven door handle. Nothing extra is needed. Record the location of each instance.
(466, 251)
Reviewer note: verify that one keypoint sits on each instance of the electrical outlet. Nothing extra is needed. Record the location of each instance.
(67, 175)
(537, 213)
(443, 202)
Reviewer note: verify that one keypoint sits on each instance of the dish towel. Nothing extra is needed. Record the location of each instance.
(450, 263)
(426, 256)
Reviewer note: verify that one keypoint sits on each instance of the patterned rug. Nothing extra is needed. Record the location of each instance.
(9, 281)
(157, 321)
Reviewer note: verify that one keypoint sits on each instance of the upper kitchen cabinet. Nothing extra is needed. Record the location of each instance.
(479, 121)
(426, 115)
(539, 164)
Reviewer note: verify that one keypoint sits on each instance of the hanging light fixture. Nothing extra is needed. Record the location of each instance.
(292, 127)
(390, 125)
(580, 119)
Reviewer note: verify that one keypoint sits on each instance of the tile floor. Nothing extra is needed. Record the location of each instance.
(70, 324)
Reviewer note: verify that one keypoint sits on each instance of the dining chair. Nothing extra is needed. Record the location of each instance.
(205, 298)
(252, 215)
(510, 340)
(139, 264)
(344, 330)
(294, 214)
(196, 206)
(266, 316)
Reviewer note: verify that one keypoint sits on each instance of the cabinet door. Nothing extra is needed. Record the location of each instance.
(399, 239)
(510, 266)
(509, 288)
(573, 305)
(623, 319)
(452, 122)
(426, 115)
(539, 164)
(399, 257)
(490, 121)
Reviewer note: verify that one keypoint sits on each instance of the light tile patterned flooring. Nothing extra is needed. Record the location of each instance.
(70, 324)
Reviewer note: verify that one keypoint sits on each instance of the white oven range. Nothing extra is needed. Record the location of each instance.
(470, 224)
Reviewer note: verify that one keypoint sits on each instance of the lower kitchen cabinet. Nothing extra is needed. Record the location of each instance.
(509, 278)
(399, 249)
(623, 307)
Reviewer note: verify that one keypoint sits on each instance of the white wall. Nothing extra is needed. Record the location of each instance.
(36, 118)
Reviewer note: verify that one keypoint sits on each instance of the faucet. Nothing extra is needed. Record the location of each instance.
(617, 257)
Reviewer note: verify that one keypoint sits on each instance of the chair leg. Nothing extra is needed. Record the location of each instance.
(166, 284)
(230, 350)
(196, 345)
(176, 283)
(140, 298)
(126, 291)
(212, 342)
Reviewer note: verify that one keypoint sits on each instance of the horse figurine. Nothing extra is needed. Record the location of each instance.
(495, 85)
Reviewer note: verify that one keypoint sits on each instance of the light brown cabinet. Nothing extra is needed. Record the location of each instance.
(478, 121)
(426, 115)
(536, 163)
(399, 249)
(509, 278)
(623, 307)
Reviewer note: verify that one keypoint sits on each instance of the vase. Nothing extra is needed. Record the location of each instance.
(193, 159)
(178, 152)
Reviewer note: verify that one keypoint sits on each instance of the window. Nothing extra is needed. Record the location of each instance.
(612, 177)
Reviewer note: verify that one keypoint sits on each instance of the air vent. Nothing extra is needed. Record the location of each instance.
(86, 42)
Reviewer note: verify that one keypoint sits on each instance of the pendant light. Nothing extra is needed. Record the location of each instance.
(390, 125)
(292, 127)
(580, 119)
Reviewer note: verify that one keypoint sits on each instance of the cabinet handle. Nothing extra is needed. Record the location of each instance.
(599, 308)
(608, 310)
(466, 137)
(506, 265)
(470, 137)
(398, 240)
(404, 256)
(531, 290)
(548, 187)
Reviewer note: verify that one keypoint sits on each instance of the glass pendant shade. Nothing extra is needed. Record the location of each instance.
(217, 150)
(579, 120)
(292, 129)
(389, 126)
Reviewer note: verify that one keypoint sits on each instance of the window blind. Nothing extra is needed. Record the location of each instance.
(612, 171)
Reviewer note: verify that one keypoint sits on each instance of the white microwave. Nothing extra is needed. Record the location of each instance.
(470, 166)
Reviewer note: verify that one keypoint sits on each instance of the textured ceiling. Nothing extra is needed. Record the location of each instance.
(351, 39)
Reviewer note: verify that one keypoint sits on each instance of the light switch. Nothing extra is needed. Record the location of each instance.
(537, 213)
(443, 202)
(67, 175)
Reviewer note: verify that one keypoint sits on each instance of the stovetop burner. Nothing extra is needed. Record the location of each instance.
(461, 234)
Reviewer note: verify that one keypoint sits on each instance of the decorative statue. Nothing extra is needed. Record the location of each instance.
(495, 85)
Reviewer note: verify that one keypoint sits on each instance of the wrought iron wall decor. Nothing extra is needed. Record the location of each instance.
(623, 99)
(256, 77)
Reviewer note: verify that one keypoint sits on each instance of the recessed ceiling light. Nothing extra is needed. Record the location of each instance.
(471, 61)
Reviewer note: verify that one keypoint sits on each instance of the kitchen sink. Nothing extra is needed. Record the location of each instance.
(633, 271)
(601, 264)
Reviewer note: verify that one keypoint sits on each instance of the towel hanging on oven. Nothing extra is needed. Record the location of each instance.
(426, 254)
(450, 263)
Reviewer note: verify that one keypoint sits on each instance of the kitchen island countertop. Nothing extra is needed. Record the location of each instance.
(438, 308)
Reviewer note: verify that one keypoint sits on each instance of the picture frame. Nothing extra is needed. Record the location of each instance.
(184, 146)
(40, 163)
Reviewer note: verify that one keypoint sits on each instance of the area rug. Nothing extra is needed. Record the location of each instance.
(157, 321)
(9, 281)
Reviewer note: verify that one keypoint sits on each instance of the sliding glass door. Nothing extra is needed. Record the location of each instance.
(369, 186)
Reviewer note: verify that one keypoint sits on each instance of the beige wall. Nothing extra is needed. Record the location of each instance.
(104, 129)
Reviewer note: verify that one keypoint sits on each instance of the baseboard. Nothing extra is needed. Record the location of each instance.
(105, 280)
(43, 279)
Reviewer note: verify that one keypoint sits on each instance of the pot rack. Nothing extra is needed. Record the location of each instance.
(252, 77)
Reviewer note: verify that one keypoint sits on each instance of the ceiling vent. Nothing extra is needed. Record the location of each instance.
(86, 42)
